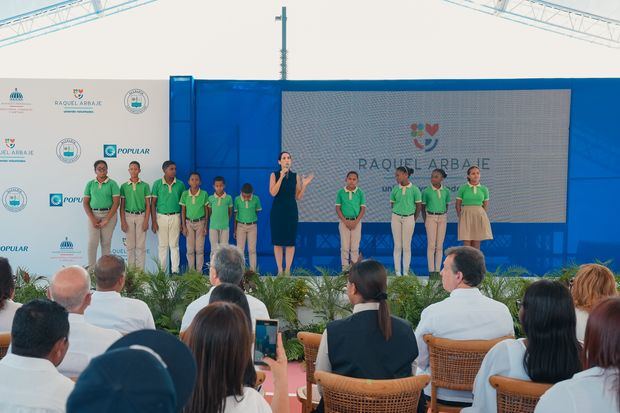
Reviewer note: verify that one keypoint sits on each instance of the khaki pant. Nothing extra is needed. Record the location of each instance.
(402, 231)
(196, 234)
(349, 244)
(136, 240)
(100, 235)
(249, 233)
(217, 237)
(435, 234)
(168, 237)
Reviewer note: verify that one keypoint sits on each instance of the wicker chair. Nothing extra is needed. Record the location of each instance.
(454, 365)
(348, 395)
(517, 396)
(260, 379)
(311, 342)
(5, 342)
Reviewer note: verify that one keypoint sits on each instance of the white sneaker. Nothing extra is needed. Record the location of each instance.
(399, 274)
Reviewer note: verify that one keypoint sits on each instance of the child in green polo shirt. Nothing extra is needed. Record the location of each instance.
(406, 203)
(435, 200)
(135, 212)
(350, 207)
(220, 211)
(194, 214)
(247, 206)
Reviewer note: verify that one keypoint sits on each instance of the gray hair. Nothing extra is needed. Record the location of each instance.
(74, 301)
(229, 264)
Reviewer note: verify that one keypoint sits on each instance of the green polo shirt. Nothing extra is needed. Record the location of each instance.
(168, 196)
(350, 202)
(436, 200)
(469, 198)
(194, 204)
(101, 194)
(405, 204)
(135, 195)
(219, 211)
(247, 210)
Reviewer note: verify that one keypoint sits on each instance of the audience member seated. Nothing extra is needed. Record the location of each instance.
(597, 388)
(7, 292)
(220, 339)
(29, 381)
(227, 266)
(230, 293)
(108, 309)
(592, 283)
(70, 287)
(465, 315)
(549, 353)
(369, 344)
(146, 371)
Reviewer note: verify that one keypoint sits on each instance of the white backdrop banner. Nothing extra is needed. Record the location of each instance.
(51, 132)
(518, 138)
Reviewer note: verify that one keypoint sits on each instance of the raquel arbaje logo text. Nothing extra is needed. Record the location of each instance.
(78, 103)
(423, 135)
(11, 152)
(14, 199)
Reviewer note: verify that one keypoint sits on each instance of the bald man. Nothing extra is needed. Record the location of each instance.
(70, 287)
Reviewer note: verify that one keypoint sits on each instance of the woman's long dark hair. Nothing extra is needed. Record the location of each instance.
(7, 282)
(370, 279)
(601, 346)
(230, 293)
(219, 338)
(549, 321)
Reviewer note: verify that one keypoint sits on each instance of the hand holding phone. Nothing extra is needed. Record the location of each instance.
(265, 341)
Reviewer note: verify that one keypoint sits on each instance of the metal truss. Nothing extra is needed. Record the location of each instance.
(552, 17)
(60, 16)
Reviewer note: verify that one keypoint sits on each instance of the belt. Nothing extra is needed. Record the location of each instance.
(247, 223)
(435, 213)
(195, 220)
(168, 213)
(135, 212)
(401, 215)
(100, 209)
(350, 219)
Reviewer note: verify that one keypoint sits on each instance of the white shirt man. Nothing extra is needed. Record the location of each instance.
(70, 287)
(465, 315)
(29, 381)
(108, 309)
(226, 267)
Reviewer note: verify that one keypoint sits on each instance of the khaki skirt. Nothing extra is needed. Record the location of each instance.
(474, 224)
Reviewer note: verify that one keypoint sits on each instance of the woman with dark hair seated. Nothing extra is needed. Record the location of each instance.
(596, 389)
(230, 293)
(370, 344)
(7, 292)
(548, 354)
(220, 339)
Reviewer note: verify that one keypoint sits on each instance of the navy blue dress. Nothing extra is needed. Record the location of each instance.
(284, 214)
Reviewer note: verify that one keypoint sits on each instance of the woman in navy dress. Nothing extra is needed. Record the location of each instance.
(286, 188)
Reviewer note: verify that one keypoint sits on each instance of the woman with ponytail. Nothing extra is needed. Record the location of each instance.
(371, 343)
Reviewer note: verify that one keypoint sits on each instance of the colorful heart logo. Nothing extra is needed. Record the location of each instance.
(432, 129)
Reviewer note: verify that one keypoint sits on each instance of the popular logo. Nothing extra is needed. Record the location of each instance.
(136, 101)
(114, 151)
(109, 151)
(58, 200)
(14, 199)
(16, 96)
(418, 132)
(78, 93)
(68, 150)
(9, 142)
(55, 200)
